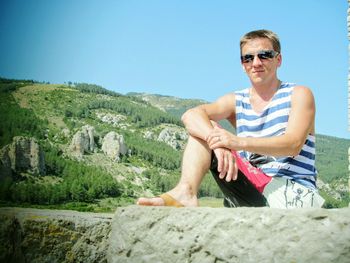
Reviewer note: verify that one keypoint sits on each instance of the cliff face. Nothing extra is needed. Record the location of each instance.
(153, 234)
(22, 155)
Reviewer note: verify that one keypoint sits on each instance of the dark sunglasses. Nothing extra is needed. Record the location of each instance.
(264, 54)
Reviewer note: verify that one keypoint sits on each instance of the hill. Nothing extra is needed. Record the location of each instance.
(57, 149)
(173, 105)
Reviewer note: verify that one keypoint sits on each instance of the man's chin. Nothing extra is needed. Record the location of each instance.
(256, 80)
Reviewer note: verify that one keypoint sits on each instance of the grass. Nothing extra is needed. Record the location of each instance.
(211, 202)
(108, 205)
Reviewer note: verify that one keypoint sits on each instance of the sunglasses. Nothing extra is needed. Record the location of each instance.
(263, 54)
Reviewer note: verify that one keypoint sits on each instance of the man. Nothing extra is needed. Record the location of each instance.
(271, 160)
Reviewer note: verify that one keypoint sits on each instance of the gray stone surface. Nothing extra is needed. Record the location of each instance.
(24, 154)
(113, 145)
(83, 141)
(162, 234)
(35, 235)
(150, 234)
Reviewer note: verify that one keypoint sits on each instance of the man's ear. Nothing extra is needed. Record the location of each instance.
(279, 60)
(243, 68)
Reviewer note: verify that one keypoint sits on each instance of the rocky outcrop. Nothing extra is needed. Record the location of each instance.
(149, 135)
(116, 120)
(113, 145)
(174, 137)
(163, 234)
(150, 234)
(83, 141)
(23, 155)
(335, 193)
(33, 235)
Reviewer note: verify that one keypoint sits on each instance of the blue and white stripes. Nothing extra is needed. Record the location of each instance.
(272, 121)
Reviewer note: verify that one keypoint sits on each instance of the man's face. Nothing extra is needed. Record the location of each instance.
(261, 68)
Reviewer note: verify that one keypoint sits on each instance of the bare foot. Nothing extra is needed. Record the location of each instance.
(154, 201)
(181, 194)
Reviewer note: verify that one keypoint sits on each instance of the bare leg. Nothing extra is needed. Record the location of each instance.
(195, 164)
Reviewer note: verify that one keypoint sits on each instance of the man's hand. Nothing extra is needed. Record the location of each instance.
(220, 138)
(221, 141)
(226, 164)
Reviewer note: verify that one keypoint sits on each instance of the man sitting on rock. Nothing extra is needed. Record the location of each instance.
(271, 160)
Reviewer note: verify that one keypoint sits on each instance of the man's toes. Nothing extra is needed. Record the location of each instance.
(156, 201)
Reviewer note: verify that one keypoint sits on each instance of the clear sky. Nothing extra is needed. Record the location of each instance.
(188, 49)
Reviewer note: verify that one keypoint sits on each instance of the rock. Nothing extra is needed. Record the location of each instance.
(162, 234)
(116, 120)
(327, 188)
(34, 235)
(173, 136)
(83, 141)
(23, 155)
(65, 132)
(149, 135)
(113, 145)
(113, 118)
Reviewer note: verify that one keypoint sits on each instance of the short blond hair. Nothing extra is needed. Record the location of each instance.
(262, 33)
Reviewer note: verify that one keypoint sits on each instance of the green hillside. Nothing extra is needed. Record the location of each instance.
(55, 114)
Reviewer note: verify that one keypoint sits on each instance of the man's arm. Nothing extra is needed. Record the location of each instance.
(300, 124)
(198, 120)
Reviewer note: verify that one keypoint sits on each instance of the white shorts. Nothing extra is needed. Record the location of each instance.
(287, 194)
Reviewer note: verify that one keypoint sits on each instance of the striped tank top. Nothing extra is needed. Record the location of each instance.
(272, 121)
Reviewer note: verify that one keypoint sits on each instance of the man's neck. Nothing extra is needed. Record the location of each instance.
(266, 90)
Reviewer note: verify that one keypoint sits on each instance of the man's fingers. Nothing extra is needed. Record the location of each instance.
(230, 171)
(212, 140)
(225, 167)
(235, 171)
(220, 162)
(226, 164)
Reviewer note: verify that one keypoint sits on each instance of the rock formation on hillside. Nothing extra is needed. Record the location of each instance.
(23, 155)
(149, 135)
(163, 234)
(117, 120)
(83, 141)
(113, 145)
(174, 137)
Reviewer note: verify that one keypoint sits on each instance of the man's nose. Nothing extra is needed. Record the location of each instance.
(256, 61)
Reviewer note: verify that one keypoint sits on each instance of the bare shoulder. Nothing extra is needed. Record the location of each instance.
(227, 97)
(302, 91)
(222, 108)
(303, 95)
(225, 100)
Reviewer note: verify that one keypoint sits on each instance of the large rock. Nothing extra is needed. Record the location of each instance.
(163, 234)
(34, 235)
(113, 145)
(23, 155)
(83, 141)
(150, 234)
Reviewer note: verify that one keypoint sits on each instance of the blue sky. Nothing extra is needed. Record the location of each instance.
(188, 49)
